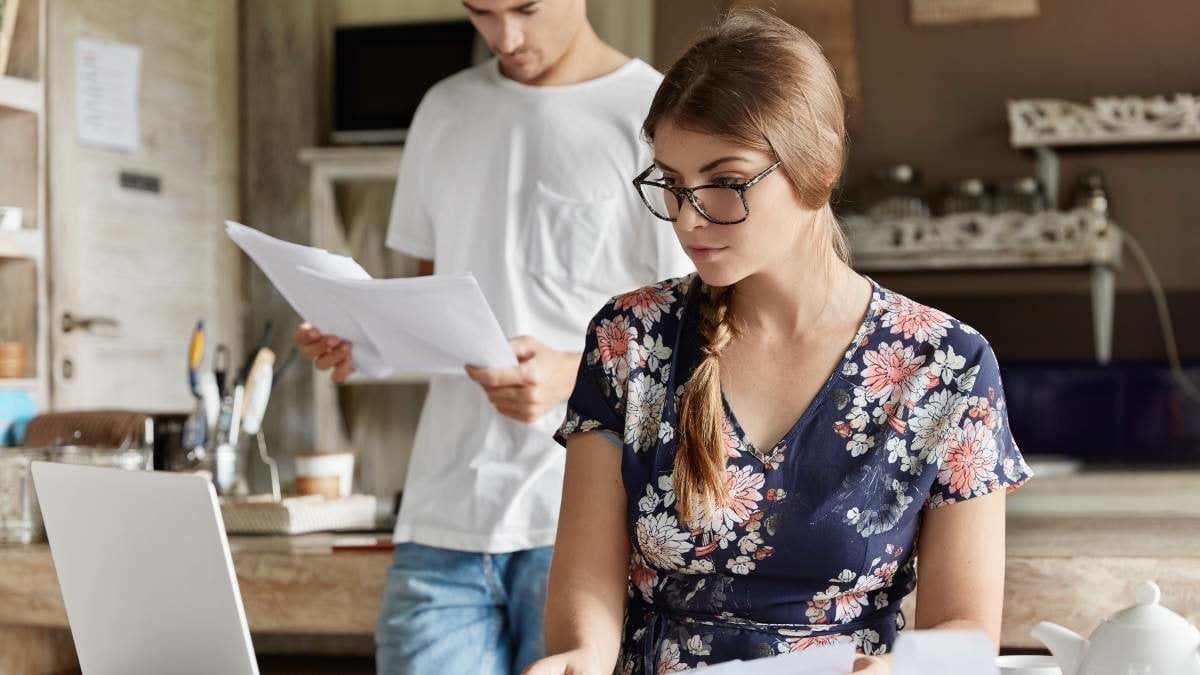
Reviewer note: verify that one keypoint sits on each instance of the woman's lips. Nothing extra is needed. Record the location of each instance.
(704, 253)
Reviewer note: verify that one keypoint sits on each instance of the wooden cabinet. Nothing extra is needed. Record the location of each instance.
(23, 288)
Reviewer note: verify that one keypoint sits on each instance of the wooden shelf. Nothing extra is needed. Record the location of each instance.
(25, 244)
(985, 241)
(19, 94)
(1124, 120)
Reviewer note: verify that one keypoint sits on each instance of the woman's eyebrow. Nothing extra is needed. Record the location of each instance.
(707, 167)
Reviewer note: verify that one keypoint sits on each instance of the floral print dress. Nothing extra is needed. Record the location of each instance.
(817, 544)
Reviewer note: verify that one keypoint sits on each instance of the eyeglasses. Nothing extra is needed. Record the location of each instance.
(718, 203)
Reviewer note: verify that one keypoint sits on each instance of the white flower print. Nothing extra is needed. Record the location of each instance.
(667, 488)
(750, 543)
(860, 444)
(666, 432)
(897, 448)
(881, 601)
(867, 640)
(946, 364)
(743, 564)
(643, 411)
(698, 646)
(965, 382)
(701, 566)
(649, 501)
(661, 541)
(850, 369)
(858, 418)
(934, 419)
(654, 352)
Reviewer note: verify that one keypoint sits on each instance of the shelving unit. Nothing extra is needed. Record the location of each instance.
(23, 287)
(1052, 239)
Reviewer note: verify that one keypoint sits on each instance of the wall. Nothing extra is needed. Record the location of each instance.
(934, 98)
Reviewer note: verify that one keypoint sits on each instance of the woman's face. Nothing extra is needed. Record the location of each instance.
(726, 254)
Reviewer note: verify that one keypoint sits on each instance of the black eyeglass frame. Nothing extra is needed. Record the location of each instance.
(689, 193)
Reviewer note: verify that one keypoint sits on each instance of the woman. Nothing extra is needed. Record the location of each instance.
(756, 453)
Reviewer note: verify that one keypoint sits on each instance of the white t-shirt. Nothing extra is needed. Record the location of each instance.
(529, 189)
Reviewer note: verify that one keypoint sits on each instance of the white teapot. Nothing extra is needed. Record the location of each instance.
(1145, 639)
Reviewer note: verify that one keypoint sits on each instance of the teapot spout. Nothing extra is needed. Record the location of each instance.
(1066, 645)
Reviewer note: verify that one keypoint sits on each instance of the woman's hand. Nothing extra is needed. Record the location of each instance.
(872, 665)
(574, 662)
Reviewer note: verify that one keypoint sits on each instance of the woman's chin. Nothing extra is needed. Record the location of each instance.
(718, 275)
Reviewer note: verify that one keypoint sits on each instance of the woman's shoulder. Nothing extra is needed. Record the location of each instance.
(924, 328)
(649, 309)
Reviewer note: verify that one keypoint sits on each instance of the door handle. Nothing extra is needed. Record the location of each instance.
(86, 323)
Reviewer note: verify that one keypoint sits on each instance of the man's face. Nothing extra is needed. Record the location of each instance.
(528, 36)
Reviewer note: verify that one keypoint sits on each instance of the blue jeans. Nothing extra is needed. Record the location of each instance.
(449, 612)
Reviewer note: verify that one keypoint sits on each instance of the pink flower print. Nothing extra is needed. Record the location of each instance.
(970, 460)
(889, 372)
(617, 341)
(648, 304)
(914, 320)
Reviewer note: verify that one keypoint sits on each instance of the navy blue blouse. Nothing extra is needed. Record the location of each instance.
(817, 544)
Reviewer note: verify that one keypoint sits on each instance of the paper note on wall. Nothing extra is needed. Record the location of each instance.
(107, 88)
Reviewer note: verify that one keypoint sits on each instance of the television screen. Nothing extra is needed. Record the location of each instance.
(381, 73)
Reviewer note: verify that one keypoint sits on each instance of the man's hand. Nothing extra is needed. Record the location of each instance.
(542, 379)
(325, 351)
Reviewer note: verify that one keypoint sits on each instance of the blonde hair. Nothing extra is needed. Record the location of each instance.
(759, 82)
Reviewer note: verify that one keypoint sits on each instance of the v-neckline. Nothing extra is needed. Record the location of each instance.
(864, 329)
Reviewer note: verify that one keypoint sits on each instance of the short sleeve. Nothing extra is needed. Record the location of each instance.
(594, 404)
(410, 227)
(977, 454)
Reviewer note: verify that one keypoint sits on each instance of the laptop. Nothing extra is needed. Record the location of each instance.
(145, 571)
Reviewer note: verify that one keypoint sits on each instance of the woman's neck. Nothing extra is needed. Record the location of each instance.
(813, 291)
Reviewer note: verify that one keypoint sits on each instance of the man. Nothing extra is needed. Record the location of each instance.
(518, 171)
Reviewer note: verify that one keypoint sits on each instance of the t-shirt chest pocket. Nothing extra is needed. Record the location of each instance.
(564, 237)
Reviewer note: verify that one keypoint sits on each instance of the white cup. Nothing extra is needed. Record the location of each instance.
(1022, 664)
(317, 464)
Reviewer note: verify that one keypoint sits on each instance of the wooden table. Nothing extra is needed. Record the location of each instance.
(1077, 545)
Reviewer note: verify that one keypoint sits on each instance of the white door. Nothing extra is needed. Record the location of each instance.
(133, 267)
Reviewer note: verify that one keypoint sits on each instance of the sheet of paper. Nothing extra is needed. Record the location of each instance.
(943, 652)
(281, 261)
(433, 324)
(829, 660)
(107, 84)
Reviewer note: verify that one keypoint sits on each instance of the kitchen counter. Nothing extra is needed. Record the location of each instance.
(1077, 545)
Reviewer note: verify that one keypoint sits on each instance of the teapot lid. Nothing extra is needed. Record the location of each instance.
(1147, 613)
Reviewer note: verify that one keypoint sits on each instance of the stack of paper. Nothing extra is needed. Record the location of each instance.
(434, 325)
